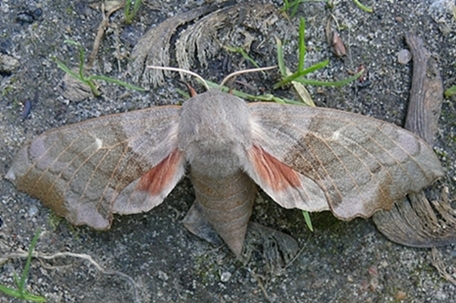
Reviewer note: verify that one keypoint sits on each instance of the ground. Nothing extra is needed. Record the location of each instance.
(338, 262)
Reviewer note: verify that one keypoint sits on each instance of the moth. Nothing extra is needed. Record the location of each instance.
(313, 159)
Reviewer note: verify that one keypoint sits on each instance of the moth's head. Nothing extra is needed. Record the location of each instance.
(213, 121)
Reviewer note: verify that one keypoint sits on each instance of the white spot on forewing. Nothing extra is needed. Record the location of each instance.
(98, 143)
(335, 135)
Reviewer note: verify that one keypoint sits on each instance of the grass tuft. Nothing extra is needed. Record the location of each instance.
(129, 11)
(90, 80)
(21, 292)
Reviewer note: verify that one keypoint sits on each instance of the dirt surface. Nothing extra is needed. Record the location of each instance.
(339, 262)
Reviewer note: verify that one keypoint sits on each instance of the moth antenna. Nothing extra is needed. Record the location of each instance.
(180, 70)
(245, 71)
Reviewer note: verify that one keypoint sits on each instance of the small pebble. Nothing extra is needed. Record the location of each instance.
(33, 210)
(8, 64)
(400, 296)
(37, 13)
(26, 109)
(225, 277)
(162, 276)
(404, 56)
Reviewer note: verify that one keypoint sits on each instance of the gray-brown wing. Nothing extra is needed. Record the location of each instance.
(353, 164)
(124, 163)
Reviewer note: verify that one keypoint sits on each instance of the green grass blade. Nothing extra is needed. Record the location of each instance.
(15, 278)
(21, 293)
(34, 298)
(80, 57)
(127, 7)
(87, 81)
(248, 58)
(308, 220)
(81, 61)
(136, 6)
(280, 59)
(131, 13)
(115, 81)
(243, 53)
(25, 295)
(72, 42)
(450, 92)
(363, 7)
(29, 260)
(95, 91)
(295, 7)
(313, 68)
(183, 93)
(301, 73)
(10, 292)
(67, 70)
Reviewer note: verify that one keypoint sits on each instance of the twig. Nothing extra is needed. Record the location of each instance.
(101, 29)
(426, 93)
(436, 261)
(260, 284)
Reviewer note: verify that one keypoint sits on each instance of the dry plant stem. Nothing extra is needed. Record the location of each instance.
(38, 255)
(180, 70)
(295, 257)
(101, 29)
(261, 285)
(245, 71)
(329, 30)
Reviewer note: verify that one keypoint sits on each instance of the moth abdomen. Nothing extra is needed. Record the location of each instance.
(226, 204)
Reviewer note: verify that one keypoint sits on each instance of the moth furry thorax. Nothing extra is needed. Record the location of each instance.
(215, 132)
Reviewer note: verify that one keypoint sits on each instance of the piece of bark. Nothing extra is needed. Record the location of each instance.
(426, 93)
(415, 221)
(153, 48)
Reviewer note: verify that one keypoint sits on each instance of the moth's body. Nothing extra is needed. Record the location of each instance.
(307, 158)
(215, 136)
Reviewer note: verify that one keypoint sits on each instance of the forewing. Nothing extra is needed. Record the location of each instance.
(124, 163)
(359, 164)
